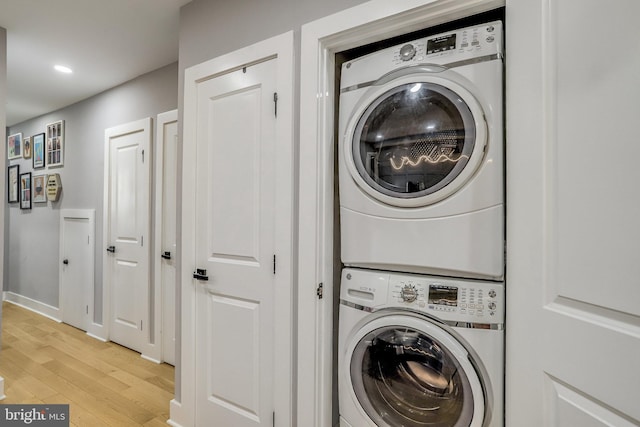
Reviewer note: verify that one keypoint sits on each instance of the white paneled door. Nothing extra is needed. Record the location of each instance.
(76, 270)
(573, 235)
(126, 232)
(166, 247)
(235, 203)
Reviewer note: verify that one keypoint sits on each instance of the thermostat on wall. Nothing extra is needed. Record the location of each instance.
(54, 187)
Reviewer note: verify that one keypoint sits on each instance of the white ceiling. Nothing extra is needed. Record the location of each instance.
(105, 42)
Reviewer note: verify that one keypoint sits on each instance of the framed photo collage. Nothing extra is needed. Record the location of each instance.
(46, 150)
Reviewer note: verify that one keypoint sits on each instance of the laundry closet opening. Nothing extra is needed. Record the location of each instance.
(369, 173)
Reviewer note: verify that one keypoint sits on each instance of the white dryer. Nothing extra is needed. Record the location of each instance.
(421, 148)
(417, 351)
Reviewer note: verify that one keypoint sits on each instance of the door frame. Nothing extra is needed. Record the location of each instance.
(362, 24)
(90, 216)
(280, 47)
(158, 173)
(144, 125)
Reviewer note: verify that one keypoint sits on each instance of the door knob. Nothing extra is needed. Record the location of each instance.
(111, 249)
(65, 261)
(166, 255)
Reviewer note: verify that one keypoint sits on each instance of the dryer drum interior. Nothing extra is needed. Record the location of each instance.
(406, 378)
(413, 140)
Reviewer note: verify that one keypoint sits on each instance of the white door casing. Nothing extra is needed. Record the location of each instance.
(573, 317)
(239, 291)
(126, 233)
(77, 249)
(321, 39)
(165, 247)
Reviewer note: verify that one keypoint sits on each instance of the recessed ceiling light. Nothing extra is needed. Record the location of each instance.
(63, 69)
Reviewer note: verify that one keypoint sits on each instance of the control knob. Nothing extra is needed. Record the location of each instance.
(492, 293)
(409, 293)
(492, 305)
(407, 52)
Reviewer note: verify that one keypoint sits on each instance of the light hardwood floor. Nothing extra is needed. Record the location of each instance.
(43, 361)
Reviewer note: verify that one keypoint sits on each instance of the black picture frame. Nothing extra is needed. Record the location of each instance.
(13, 183)
(25, 190)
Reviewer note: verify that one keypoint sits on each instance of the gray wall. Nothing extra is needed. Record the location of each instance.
(3, 181)
(32, 242)
(210, 28)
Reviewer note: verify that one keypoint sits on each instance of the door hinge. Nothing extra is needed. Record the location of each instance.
(141, 240)
(319, 291)
(273, 420)
(141, 325)
(504, 264)
(275, 102)
(87, 309)
(274, 264)
(142, 156)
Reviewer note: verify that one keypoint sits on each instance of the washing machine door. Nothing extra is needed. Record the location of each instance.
(410, 372)
(416, 137)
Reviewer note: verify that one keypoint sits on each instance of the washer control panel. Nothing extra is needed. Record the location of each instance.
(467, 42)
(449, 299)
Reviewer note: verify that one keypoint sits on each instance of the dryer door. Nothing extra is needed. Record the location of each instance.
(416, 139)
(410, 372)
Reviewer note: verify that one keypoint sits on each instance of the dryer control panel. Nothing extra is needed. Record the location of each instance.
(460, 45)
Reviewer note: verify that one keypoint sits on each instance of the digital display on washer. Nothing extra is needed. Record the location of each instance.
(443, 295)
(441, 44)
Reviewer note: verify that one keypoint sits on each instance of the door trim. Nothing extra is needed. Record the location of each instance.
(158, 173)
(90, 216)
(144, 125)
(280, 47)
(362, 24)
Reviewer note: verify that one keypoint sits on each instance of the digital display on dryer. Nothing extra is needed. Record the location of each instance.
(441, 44)
(443, 295)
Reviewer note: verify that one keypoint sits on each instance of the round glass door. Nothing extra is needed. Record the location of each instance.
(416, 141)
(402, 376)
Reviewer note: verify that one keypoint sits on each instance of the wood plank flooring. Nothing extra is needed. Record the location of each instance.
(43, 361)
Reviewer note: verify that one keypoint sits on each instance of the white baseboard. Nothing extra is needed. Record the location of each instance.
(150, 358)
(94, 336)
(98, 331)
(2, 396)
(175, 409)
(30, 304)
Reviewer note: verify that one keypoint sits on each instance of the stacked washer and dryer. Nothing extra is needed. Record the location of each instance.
(421, 178)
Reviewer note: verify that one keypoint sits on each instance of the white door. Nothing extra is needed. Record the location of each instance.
(126, 235)
(166, 179)
(235, 189)
(76, 270)
(573, 235)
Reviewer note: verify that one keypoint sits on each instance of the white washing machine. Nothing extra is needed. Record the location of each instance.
(420, 351)
(421, 167)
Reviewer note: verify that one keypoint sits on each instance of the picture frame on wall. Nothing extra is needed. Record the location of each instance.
(14, 146)
(39, 188)
(26, 147)
(55, 144)
(37, 146)
(25, 190)
(13, 183)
